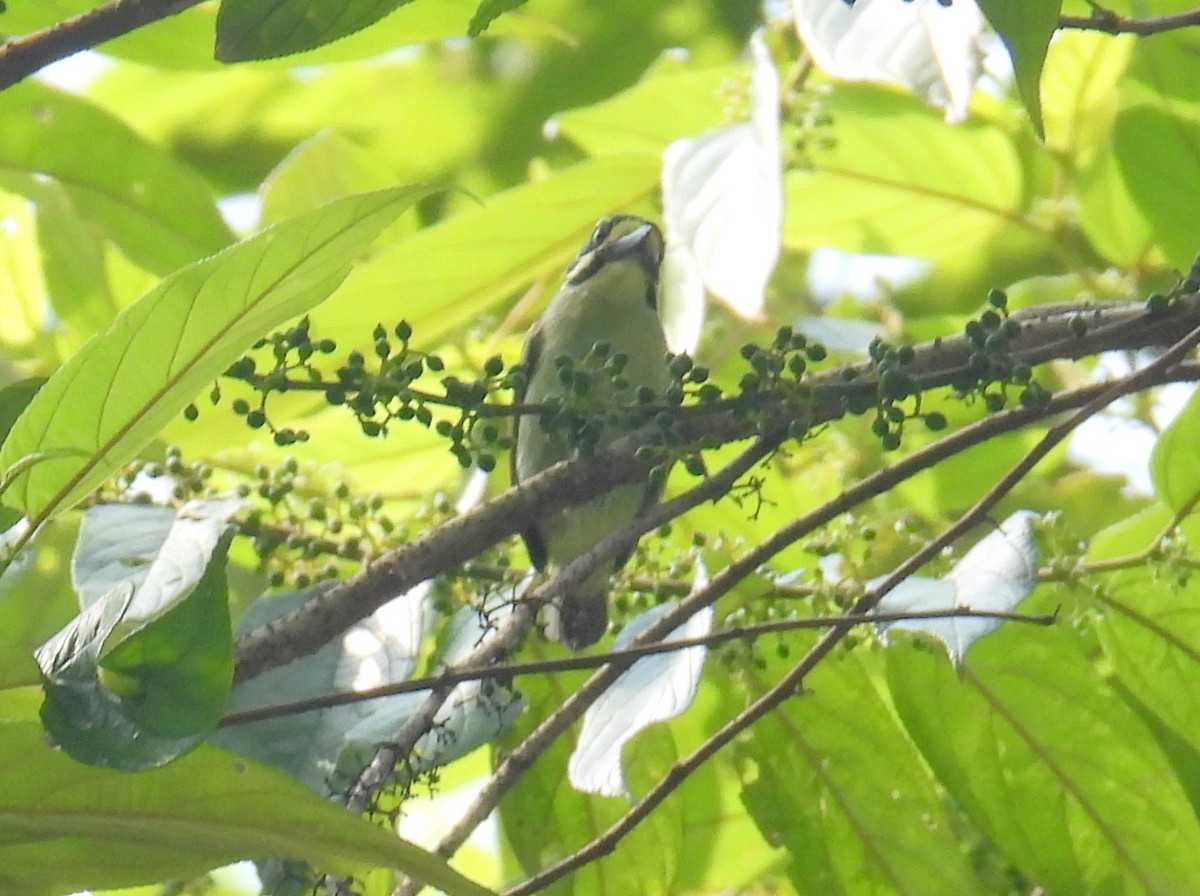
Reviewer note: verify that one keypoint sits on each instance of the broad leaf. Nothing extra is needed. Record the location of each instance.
(1026, 27)
(831, 777)
(488, 12)
(1173, 467)
(1148, 141)
(526, 233)
(160, 213)
(66, 826)
(120, 389)
(1029, 722)
(860, 199)
(142, 674)
(654, 689)
(252, 29)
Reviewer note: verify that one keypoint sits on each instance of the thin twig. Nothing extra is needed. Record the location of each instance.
(506, 671)
(790, 683)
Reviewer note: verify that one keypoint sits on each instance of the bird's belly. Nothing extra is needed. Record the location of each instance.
(577, 529)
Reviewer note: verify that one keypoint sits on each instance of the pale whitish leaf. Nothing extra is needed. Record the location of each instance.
(473, 714)
(930, 49)
(10, 574)
(382, 648)
(159, 551)
(723, 198)
(654, 689)
(994, 576)
(681, 305)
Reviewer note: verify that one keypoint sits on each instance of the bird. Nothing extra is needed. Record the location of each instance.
(606, 308)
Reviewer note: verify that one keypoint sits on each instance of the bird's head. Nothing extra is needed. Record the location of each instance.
(624, 248)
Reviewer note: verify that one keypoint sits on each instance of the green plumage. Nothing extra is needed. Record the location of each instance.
(609, 295)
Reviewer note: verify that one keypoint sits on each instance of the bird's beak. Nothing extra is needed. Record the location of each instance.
(638, 243)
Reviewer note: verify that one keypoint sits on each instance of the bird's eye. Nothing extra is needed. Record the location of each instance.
(600, 234)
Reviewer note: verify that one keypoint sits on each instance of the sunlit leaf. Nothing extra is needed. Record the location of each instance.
(159, 212)
(814, 782)
(488, 12)
(1147, 141)
(1024, 723)
(1173, 466)
(120, 389)
(251, 29)
(938, 192)
(525, 234)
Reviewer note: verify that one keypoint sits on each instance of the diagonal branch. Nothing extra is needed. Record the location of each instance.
(790, 684)
(20, 57)
(381, 768)
(523, 755)
(1045, 333)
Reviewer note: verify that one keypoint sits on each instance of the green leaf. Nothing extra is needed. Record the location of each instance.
(143, 673)
(543, 818)
(1149, 141)
(14, 398)
(1108, 214)
(672, 100)
(17, 666)
(1173, 468)
(1026, 27)
(262, 29)
(952, 195)
(1031, 723)
(1151, 634)
(488, 12)
(119, 390)
(321, 169)
(1080, 87)
(852, 824)
(521, 235)
(23, 310)
(66, 826)
(159, 212)
(73, 263)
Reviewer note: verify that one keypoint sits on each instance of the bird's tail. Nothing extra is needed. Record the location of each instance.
(579, 619)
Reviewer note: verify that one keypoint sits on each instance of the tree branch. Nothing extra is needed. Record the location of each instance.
(524, 754)
(381, 768)
(790, 684)
(20, 57)
(1048, 332)
(1102, 19)
(579, 662)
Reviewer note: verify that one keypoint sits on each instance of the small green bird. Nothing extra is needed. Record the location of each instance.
(609, 297)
